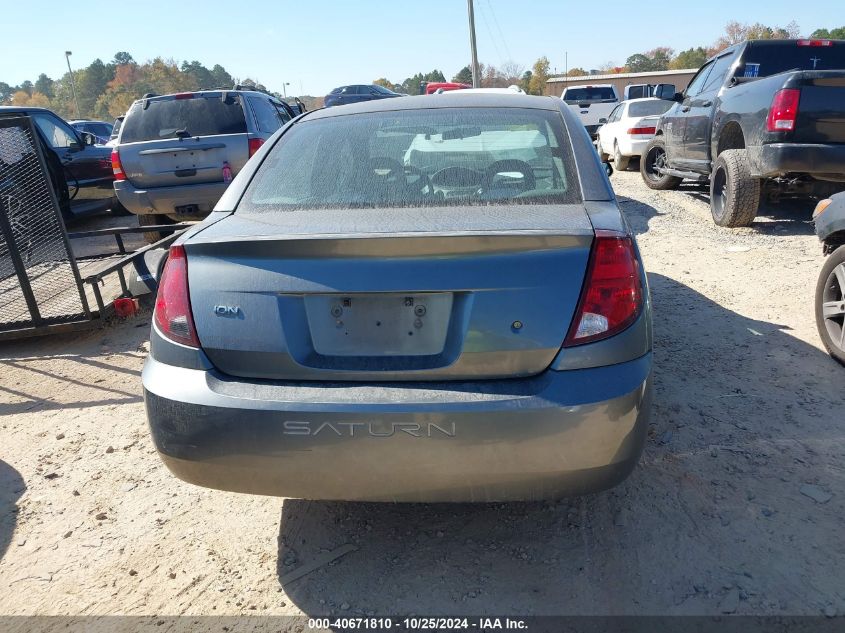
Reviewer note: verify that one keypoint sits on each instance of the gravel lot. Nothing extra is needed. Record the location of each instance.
(737, 506)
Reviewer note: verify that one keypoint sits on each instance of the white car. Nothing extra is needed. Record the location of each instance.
(591, 103)
(629, 128)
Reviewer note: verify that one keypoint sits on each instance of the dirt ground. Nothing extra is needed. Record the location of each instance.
(737, 506)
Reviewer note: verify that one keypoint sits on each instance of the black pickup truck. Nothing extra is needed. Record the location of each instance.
(761, 120)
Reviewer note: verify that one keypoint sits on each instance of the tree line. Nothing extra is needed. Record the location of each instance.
(665, 58)
(510, 73)
(106, 90)
(533, 80)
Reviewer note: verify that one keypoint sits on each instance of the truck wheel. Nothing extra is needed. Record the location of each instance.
(620, 161)
(151, 220)
(734, 193)
(830, 304)
(654, 157)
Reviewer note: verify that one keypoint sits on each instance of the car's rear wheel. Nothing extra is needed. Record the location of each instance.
(734, 193)
(653, 160)
(621, 161)
(118, 210)
(603, 157)
(830, 304)
(152, 220)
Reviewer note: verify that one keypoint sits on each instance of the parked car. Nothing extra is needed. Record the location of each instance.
(100, 129)
(641, 91)
(85, 184)
(176, 154)
(371, 317)
(591, 103)
(357, 93)
(115, 130)
(444, 86)
(762, 119)
(628, 129)
(830, 289)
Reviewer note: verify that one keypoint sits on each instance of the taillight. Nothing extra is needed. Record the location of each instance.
(254, 145)
(116, 167)
(612, 297)
(824, 43)
(173, 304)
(642, 130)
(783, 111)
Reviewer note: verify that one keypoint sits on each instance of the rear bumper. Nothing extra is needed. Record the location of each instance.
(558, 434)
(164, 200)
(825, 162)
(631, 147)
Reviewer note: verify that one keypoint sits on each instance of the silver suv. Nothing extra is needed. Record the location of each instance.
(177, 153)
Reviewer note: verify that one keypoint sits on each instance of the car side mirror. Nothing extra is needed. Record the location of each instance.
(679, 97)
(602, 120)
(88, 138)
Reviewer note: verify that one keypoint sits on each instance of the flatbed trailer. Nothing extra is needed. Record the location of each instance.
(44, 287)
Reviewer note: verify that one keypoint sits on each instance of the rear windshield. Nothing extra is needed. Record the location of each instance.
(649, 108)
(100, 129)
(198, 116)
(769, 59)
(436, 157)
(589, 93)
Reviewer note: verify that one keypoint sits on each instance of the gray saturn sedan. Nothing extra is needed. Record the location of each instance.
(410, 299)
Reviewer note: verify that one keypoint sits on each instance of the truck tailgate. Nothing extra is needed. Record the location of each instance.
(821, 109)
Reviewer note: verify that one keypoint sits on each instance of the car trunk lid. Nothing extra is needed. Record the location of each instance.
(369, 294)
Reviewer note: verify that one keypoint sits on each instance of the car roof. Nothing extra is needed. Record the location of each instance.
(642, 99)
(213, 92)
(446, 100)
(13, 109)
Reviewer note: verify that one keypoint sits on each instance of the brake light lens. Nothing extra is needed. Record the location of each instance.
(612, 297)
(783, 111)
(824, 43)
(254, 145)
(642, 130)
(116, 167)
(184, 95)
(173, 303)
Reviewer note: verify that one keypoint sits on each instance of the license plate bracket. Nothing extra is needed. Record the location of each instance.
(383, 324)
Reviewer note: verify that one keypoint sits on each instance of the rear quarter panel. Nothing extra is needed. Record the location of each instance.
(746, 104)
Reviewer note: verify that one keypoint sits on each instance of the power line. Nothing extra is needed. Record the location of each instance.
(501, 34)
(490, 33)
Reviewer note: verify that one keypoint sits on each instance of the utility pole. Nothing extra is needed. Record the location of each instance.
(476, 72)
(72, 83)
(565, 68)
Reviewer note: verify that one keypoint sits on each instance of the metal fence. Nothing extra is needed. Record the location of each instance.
(39, 280)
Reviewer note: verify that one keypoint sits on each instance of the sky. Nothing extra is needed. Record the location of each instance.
(315, 46)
